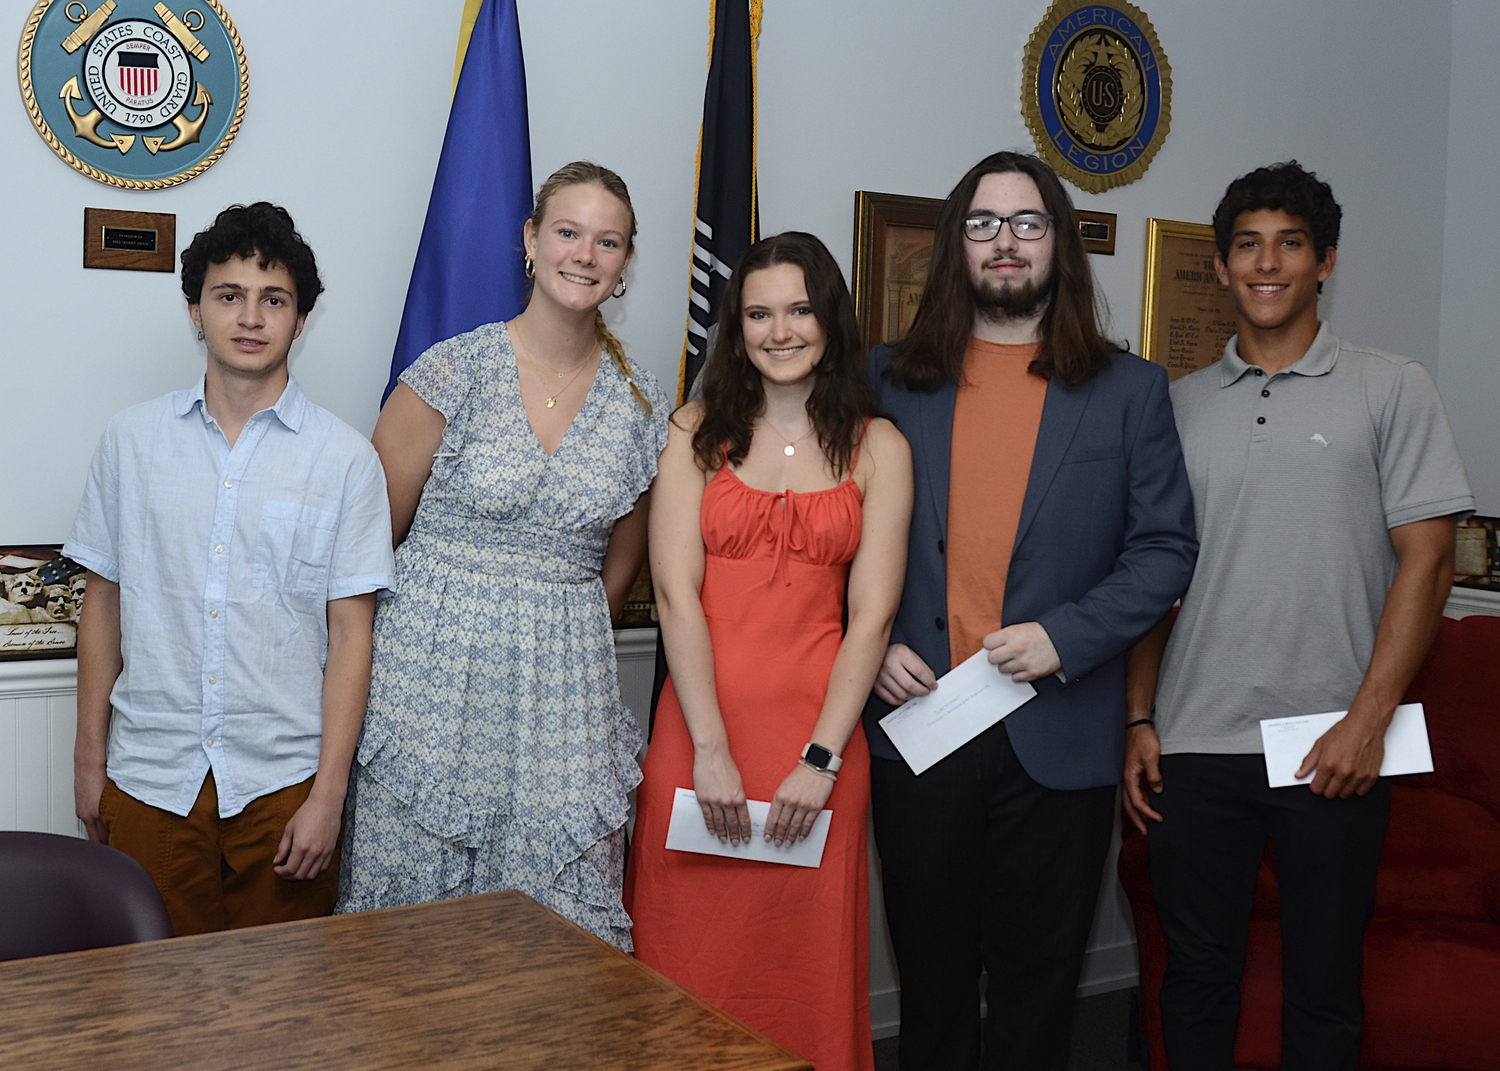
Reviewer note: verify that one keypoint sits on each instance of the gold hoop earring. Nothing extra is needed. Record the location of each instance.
(530, 267)
(620, 291)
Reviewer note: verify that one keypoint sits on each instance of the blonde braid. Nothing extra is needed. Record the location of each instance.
(616, 350)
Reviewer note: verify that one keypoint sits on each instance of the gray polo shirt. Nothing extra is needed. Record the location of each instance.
(1297, 478)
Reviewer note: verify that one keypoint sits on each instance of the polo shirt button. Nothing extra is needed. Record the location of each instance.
(212, 679)
(213, 613)
(209, 742)
(228, 483)
(1265, 394)
(219, 549)
(1260, 371)
(1260, 420)
(940, 624)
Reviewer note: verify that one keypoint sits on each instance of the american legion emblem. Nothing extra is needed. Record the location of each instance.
(1096, 91)
(134, 94)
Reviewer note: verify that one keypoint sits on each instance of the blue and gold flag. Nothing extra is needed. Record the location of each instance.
(469, 268)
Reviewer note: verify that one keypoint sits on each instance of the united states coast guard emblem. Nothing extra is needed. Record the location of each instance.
(1096, 92)
(133, 94)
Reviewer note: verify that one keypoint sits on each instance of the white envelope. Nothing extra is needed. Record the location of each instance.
(968, 700)
(1288, 740)
(687, 832)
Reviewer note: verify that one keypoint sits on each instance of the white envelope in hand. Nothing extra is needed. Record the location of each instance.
(1288, 740)
(687, 832)
(967, 701)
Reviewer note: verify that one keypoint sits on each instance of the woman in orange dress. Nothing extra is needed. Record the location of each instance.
(777, 492)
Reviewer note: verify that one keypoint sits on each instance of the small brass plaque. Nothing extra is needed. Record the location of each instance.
(135, 239)
(1097, 229)
(130, 241)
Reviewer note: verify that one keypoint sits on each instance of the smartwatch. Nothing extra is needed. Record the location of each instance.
(819, 757)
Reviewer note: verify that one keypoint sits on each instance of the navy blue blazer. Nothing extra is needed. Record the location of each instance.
(1105, 545)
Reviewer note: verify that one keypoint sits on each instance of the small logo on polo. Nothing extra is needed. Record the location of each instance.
(1317, 437)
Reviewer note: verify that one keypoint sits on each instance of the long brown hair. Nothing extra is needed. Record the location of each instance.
(1073, 348)
(734, 394)
(578, 173)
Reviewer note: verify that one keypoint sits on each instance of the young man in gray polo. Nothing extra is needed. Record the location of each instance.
(1326, 485)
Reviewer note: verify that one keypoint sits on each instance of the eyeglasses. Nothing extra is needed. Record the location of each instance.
(1027, 226)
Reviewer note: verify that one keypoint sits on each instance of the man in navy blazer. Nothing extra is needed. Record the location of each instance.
(1022, 419)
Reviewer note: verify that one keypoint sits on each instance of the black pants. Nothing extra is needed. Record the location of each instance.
(1216, 815)
(984, 868)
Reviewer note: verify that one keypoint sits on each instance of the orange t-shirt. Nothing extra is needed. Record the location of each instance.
(995, 422)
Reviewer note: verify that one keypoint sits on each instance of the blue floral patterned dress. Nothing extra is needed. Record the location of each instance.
(496, 752)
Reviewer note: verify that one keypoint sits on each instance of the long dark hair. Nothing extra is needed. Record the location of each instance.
(733, 392)
(1073, 348)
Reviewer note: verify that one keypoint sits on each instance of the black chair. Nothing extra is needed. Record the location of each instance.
(63, 894)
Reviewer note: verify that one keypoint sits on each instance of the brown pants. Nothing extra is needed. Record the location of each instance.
(216, 873)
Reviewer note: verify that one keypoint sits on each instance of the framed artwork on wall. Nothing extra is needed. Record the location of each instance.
(892, 252)
(1186, 314)
(41, 594)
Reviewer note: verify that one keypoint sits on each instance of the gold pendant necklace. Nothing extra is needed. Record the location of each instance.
(551, 399)
(790, 450)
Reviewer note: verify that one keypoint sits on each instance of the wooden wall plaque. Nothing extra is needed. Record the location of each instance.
(133, 241)
(1097, 229)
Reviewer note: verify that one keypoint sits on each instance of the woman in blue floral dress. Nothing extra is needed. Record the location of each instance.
(496, 751)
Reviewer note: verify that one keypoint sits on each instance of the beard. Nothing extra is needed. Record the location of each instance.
(1009, 302)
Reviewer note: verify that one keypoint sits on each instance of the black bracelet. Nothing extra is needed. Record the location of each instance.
(1140, 721)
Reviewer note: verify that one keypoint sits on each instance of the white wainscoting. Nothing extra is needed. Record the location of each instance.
(38, 716)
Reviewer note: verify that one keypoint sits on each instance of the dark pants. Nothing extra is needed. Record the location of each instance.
(1216, 815)
(984, 868)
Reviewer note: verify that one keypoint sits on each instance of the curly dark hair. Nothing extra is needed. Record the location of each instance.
(733, 392)
(262, 230)
(1287, 187)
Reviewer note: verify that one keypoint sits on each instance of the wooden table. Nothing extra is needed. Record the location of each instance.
(493, 981)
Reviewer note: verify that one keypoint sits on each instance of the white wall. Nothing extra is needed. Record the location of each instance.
(882, 95)
(1469, 368)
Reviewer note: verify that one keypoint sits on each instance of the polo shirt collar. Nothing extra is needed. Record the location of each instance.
(290, 408)
(1319, 359)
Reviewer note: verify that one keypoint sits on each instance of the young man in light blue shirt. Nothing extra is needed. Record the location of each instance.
(235, 535)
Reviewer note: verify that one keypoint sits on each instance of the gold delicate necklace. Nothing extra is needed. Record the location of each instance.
(790, 450)
(551, 399)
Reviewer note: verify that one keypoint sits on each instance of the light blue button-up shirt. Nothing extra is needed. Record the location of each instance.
(226, 561)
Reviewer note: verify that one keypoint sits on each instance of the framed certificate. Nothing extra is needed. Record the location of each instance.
(1187, 314)
(892, 252)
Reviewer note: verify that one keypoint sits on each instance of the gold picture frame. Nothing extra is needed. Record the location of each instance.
(1186, 314)
(893, 236)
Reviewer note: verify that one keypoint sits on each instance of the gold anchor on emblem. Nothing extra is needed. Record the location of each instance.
(87, 27)
(87, 126)
(188, 131)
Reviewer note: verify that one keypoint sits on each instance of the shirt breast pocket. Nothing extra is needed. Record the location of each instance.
(293, 549)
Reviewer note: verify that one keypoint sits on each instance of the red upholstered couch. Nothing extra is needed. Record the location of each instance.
(1432, 952)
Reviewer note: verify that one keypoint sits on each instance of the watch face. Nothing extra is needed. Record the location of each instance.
(819, 756)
